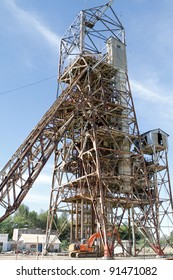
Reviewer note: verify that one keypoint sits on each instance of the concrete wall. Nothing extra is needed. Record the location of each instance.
(117, 54)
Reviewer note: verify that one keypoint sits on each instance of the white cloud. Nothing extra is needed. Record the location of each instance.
(153, 103)
(140, 90)
(29, 19)
(37, 198)
(155, 94)
(39, 195)
(44, 179)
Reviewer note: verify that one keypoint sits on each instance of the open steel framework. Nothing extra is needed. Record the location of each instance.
(106, 175)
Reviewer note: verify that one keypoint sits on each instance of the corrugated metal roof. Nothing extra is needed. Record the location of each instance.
(155, 130)
(37, 238)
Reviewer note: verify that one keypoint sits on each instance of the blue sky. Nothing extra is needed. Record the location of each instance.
(30, 32)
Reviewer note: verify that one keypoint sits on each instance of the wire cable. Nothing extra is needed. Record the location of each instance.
(27, 85)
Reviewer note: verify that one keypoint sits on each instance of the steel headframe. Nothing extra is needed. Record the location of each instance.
(90, 27)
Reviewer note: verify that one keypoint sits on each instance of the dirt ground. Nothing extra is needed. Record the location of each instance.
(13, 256)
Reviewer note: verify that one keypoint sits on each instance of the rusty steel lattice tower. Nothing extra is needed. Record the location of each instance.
(106, 175)
(101, 174)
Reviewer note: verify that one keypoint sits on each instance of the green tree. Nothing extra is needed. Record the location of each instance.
(126, 234)
(20, 218)
(63, 226)
(32, 219)
(23, 218)
(7, 226)
(42, 220)
(64, 245)
(171, 237)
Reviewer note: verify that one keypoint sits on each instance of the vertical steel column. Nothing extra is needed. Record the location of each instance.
(133, 231)
(71, 224)
(82, 218)
(82, 32)
(77, 221)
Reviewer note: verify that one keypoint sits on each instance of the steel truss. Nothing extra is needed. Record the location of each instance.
(101, 177)
(105, 175)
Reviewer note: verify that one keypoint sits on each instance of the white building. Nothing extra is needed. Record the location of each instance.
(35, 242)
(3, 242)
